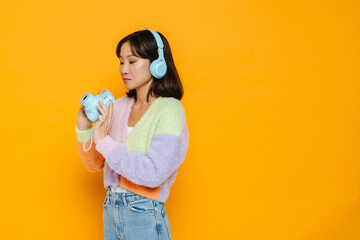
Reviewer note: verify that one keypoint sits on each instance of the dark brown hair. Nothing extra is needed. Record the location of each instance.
(143, 44)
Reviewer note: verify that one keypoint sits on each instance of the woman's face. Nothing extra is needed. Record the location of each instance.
(135, 71)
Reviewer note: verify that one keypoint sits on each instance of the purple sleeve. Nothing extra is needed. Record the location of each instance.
(163, 157)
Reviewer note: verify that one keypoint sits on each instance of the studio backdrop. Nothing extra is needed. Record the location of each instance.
(272, 100)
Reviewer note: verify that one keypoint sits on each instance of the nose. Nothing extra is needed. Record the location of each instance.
(124, 69)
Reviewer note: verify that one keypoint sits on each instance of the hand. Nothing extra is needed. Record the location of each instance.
(83, 123)
(101, 128)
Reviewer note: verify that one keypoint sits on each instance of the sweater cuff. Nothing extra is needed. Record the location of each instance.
(106, 145)
(81, 135)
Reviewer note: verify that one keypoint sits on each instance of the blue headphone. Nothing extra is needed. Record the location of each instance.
(158, 67)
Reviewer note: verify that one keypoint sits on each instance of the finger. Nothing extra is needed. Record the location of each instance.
(103, 107)
(101, 104)
(109, 115)
(101, 110)
(100, 122)
(111, 110)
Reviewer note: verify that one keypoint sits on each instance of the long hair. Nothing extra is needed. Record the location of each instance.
(143, 44)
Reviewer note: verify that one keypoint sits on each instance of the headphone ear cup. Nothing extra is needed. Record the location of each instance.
(158, 68)
(152, 71)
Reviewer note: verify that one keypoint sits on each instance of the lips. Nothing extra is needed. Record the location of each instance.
(126, 79)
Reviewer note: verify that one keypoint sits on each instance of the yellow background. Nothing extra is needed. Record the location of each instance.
(272, 99)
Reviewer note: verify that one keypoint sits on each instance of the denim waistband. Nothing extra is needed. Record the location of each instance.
(124, 197)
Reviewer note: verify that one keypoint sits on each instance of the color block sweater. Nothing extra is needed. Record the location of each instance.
(147, 161)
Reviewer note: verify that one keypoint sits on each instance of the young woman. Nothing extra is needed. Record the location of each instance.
(140, 141)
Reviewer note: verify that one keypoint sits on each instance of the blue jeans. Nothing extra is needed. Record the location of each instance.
(131, 216)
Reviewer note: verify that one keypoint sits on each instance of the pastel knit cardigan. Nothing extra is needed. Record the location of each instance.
(147, 161)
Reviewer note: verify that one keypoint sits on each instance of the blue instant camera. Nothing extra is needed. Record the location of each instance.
(90, 102)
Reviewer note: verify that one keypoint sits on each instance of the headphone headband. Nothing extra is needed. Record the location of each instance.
(157, 38)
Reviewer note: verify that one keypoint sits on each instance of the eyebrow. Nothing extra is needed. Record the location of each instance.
(131, 55)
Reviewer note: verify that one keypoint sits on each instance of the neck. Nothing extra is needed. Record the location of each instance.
(141, 95)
